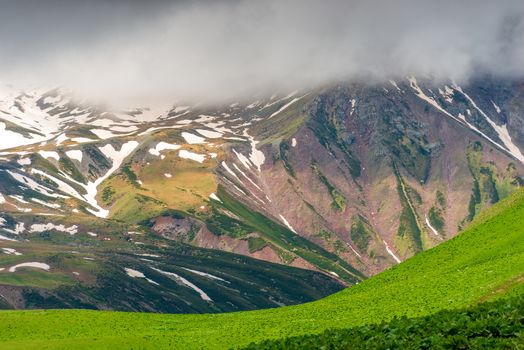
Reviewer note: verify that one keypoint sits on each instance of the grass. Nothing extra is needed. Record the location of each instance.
(495, 325)
(475, 265)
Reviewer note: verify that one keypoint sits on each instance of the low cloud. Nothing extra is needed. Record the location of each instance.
(209, 51)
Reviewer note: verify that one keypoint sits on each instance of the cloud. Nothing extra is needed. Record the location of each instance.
(214, 50)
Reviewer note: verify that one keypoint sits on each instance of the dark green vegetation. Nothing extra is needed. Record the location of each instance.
(409, 229)
(484, 263)
(339, 201)
(493, 325)
(89, 271)
(361, 232)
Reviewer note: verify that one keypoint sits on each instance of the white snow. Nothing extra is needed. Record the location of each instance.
(2, 199)
(214, 197)
(19, 228)
(60, 139)
(117, 157)
(92, 234)
(75, 154)
(353, 104)
(256, 157)
(247, 177)
(243, 159)
(138, 274)
(286, 106)
(162, 146)
(81, 139)
(193, 139)
(134, 273)
(193, 156)
(185, 282)
(390, 252)
(62, 186)
(435, 232)
(33, 185)
(502, 131)
(72, 230)
(11, 139)
(209, 134)
(11, 251)
(461, 119)
(103, 134)
(46, 204)
(24, 161)
(200, 273)
(287, 223)
(497, 108)
(392, 82)
(7, 238)
(228, 169)
(49, 154)
(36, 265)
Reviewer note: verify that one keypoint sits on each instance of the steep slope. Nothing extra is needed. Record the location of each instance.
(375, 173)
(485, 262)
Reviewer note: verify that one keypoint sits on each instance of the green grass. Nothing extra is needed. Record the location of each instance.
(495, 325)
(481, 263)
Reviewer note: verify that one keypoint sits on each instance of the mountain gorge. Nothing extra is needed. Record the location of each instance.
(338, 183)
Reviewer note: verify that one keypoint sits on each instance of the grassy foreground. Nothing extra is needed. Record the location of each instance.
(492, 325)
(485, 262)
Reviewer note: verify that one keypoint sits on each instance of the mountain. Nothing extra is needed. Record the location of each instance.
(483, 263)
(344, 180)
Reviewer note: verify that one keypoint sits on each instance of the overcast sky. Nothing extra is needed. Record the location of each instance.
(210, 50)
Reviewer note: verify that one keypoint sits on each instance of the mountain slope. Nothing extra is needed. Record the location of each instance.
(346, 180)
(485, 262)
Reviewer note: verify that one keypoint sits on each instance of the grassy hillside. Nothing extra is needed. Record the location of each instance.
(494, 325)
(485, 262)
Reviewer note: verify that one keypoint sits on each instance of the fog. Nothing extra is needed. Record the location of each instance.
(149, 51)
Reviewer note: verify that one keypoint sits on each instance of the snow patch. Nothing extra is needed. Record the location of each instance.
(193, 139)
(204, 274)
(435, 232)
(215, 197)
(287, 223)
(49, 154)
(209, 134)
(75, 154)
(162, 146)
(185, 282)
(72, 230)
(11, 251)
(390, 252)
(193, 156)
(36, 265)
(117, 157)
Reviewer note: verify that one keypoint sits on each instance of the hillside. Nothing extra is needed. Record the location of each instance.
(490, 325)
(483, 263)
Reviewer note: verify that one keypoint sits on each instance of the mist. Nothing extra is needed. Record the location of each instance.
(134, 52)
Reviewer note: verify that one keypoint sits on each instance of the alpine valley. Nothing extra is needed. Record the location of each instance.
(273, 201)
